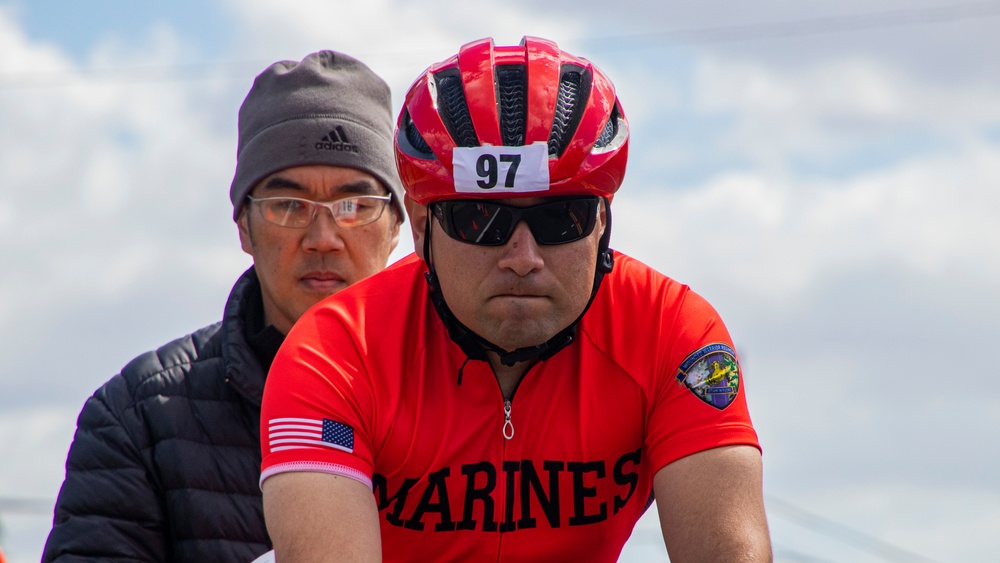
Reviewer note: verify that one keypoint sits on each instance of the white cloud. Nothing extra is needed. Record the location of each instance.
(34, 442)
(923, 522)
(856, 294)
(846, 88)
(397, 39)
(781, 234)
(824, 111)
(97, 173)
(35, 434)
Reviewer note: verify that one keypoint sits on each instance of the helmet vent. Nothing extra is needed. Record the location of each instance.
(610, 129)
(414, 137)
(454, 110)
(574, 88)
(512, 95)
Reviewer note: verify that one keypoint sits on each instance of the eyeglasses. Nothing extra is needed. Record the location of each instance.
(299, 213)
(486, 223)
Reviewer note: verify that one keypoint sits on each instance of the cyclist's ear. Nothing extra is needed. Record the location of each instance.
(417, 214)
(602, 217)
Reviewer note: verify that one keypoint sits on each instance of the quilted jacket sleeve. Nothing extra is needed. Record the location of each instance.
(108, 508)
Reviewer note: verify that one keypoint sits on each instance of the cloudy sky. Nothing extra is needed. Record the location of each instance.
(825, 173)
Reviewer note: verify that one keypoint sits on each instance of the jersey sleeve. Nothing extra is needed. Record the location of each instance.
(318, 402)
(699, 401)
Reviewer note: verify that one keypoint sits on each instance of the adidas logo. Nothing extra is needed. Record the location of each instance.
(336, 140)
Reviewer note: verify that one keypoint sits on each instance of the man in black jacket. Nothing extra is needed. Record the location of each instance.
(166, 458)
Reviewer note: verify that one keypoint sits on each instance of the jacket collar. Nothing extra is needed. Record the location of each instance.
(243, 368)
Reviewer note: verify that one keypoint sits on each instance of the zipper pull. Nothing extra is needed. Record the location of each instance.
(508, 426)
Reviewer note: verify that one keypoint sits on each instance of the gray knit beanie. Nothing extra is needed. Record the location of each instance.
(328, 109)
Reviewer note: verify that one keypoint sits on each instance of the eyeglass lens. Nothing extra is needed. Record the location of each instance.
(492, 224)
(299, 213)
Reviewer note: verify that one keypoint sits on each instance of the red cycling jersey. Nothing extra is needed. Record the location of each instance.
(367, 386)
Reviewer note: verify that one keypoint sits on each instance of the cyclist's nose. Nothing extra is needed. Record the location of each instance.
(521, 253)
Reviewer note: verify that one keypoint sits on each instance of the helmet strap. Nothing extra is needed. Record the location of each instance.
(475, 346)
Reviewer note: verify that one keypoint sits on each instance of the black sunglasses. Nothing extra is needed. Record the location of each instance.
(491, 224)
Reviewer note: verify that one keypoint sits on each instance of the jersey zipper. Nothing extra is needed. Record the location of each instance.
(508, 434)
(508, 426)
(501, 504)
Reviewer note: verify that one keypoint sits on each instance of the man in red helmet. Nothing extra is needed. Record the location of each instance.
(516, 391)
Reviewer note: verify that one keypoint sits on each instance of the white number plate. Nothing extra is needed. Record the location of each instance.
(501, 169)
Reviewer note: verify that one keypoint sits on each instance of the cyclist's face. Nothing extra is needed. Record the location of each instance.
(515, 295)
(298, 267)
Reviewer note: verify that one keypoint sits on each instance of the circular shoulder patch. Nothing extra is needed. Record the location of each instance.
(712, 374)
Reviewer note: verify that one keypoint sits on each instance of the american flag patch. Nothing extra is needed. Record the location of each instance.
(295, 433)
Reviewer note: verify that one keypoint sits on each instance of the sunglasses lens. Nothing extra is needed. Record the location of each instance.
(562, 221)
(480, 223)
(491, 224)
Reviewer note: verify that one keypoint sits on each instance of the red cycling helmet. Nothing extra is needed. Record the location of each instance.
(522, 121)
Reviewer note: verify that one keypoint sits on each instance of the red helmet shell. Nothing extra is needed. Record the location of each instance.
(512, 96)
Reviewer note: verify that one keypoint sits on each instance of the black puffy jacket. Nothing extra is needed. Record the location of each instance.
(166, 458)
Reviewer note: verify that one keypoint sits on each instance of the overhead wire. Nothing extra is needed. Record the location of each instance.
(817, 26)
(25, 505)
(803, 27)
(782, 553)
(845, 534)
